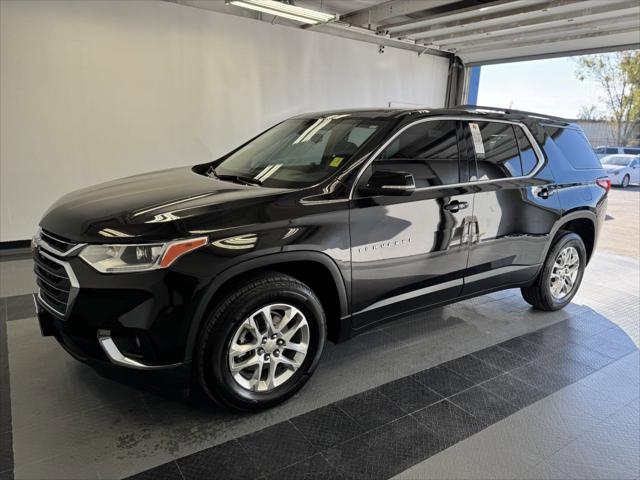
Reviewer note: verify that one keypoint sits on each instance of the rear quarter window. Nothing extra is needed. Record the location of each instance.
(573, 146)
(632, 151)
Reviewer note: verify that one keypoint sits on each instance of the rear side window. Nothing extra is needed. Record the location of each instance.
(527, 154)
(428, 150)
(611, 150)
(498, 155)
(574, 147)
(632, 151)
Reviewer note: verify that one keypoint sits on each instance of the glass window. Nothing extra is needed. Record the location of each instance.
(574, 146)
(527, 154)
(611, 150)
(631, 151)
(299, 152)
(498, 156)
(616, 160)
(427, 150)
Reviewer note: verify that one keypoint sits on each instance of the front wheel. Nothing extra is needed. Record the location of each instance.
(261, 343)
(561, 274)
(625, 181)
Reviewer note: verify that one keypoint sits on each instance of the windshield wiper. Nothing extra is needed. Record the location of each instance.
(234, 178)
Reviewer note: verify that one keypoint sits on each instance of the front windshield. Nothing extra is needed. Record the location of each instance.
(299, 152)
(619, 161)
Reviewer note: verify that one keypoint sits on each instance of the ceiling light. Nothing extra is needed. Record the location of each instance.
(279, 9)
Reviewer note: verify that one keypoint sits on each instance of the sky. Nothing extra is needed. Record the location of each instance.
(542, 86)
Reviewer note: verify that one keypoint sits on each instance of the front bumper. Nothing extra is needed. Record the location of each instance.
(137, 321)
(103, 354)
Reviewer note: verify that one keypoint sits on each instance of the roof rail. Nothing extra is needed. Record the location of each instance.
(505, 111)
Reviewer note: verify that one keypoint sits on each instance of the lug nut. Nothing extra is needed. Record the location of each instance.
(264, 340)
(266, 356)
(280, 342)
(274, 336)
(276, 353)
(260, 351)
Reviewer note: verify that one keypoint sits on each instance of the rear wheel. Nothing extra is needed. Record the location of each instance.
(261, 343)
(625, 181)
(561, 274)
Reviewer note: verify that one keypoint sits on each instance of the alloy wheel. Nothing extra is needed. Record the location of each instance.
(564, 273)
(268, 347)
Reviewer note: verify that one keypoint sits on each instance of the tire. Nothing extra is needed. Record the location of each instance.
(540, 294)
(228, 324)
(625, 181)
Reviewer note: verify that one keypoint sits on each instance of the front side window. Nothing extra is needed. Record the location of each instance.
(496, 150)
(427, 150)
(299, 152)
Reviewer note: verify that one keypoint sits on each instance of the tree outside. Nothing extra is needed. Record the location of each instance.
(619, 76)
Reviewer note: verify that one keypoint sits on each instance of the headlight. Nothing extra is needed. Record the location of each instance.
(138, 258)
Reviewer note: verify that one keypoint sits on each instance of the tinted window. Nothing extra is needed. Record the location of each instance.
(611, 150)
(300, 151)
(501, 158)
(427, 150)
(527, 154)
(631, 151)
(574, 146)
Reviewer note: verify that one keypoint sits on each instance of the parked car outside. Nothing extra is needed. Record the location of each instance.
(234, 272)
(622, 169)
(604, 151)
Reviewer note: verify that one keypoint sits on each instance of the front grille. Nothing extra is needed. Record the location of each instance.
(59, 244)
(53, 281)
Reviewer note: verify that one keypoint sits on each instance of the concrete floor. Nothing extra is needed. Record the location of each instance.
(621, 232)
(69, 422)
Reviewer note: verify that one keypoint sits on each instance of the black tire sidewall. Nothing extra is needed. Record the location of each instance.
(214, 361)
(567, 240)
(626, 180)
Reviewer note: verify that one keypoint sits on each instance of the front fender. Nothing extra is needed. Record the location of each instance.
(256, 263)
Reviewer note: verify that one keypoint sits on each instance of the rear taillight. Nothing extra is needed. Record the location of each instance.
(605, 183)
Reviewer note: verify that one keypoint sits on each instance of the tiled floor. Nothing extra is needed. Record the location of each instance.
(486, 388)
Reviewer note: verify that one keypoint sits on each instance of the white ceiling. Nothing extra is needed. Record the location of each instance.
(478, 31)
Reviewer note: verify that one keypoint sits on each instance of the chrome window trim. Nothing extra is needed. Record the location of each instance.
(528, 134)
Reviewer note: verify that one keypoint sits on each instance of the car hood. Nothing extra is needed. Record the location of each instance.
(160, 205)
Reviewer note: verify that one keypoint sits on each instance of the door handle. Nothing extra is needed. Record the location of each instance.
(455, 205)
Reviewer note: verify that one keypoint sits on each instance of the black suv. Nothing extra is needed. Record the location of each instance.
(235, 271)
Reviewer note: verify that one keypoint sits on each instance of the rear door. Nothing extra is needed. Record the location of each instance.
(513, 213)
(408, 251)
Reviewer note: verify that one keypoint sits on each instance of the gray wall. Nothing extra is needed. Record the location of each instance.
(97, 90)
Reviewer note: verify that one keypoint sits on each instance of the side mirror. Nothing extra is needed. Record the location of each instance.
(389, 183)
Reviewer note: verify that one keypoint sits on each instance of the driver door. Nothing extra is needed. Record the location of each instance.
(411, 251)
